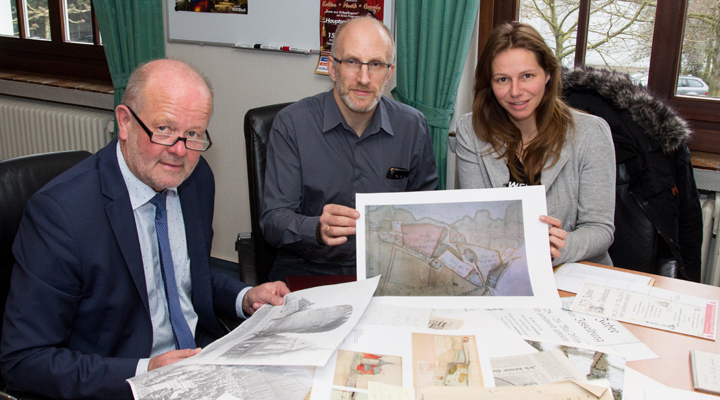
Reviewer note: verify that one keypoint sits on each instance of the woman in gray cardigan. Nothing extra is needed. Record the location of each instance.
(520, 133)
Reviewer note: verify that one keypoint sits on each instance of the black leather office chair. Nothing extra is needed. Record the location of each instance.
(20, 178)
(658, 220)
(256, 256)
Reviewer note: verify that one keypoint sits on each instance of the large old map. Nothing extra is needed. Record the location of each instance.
(449, 249)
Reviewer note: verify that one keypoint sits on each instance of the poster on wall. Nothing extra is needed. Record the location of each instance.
(213, 6)
(334, 13)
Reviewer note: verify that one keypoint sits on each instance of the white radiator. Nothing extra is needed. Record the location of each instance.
(31, 127)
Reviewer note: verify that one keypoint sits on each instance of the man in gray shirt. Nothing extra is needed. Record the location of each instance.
(324, 149)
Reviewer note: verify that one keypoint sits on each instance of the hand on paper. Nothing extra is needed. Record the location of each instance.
(557, 235)
(170, 357)
(268, 293)
(336, 224)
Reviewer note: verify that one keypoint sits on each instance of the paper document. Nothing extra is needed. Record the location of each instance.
(370, 353)
(574, 329)
(222, 382)
(381, 391)
(505, 341)
(553, 391)
(571, 276)
(476, 248)
(305, 330)
(653, 307)
(455, 358)
(705, 368)
(600, 368)
(390, 315)
(534, 369)
(635, 384)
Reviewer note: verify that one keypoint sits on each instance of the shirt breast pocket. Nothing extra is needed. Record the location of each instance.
(396, 185)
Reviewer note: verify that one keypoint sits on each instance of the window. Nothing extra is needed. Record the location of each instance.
(58, 37)
(676, 58)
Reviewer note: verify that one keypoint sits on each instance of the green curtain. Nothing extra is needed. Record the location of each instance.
(132, 33)
(433, 37)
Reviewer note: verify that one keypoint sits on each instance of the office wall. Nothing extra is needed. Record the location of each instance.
(244, 79)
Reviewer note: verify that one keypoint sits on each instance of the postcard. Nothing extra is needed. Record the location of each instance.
(479, 248)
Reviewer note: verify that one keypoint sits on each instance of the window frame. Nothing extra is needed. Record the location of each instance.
(703, 114)
(55, 56)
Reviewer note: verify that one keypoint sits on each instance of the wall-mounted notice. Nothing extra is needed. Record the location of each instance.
(334, 13)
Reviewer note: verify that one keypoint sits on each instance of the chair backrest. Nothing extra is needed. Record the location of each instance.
(20, 178)
(258, 122)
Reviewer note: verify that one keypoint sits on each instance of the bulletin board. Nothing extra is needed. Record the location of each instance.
(293, 23)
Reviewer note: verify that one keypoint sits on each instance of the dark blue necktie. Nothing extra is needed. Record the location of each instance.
(181, 329)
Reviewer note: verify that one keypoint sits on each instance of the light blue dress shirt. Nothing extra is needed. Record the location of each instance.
(144, 212)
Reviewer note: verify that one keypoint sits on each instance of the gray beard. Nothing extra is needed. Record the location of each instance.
(348, 102)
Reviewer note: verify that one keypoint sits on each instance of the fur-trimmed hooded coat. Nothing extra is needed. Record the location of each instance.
(658, 215)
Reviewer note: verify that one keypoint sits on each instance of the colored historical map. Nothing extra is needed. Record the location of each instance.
(450, 249)
(445, 360)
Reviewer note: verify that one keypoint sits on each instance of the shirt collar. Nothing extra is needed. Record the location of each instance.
(139, 192)
(333, 117)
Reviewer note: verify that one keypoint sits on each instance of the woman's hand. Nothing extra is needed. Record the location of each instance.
(557, 235)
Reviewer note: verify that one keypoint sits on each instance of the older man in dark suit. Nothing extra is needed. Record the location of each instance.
(112, 276)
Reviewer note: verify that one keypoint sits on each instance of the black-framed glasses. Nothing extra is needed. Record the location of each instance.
(355, 65)
(167, 139)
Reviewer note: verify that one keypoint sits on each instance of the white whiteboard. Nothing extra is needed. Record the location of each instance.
(294, 23)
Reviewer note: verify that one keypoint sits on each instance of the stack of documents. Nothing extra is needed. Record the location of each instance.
(455, 298)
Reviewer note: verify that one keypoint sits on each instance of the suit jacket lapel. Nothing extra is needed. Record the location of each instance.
(120, 214)
(199, 263)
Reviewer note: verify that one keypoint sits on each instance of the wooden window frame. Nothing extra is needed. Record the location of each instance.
(54, 57)
(702, 114)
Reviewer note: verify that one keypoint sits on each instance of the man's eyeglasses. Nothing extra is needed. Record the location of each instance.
(355, 65)
(167, 139)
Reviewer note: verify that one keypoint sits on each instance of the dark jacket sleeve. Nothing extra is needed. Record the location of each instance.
(47, 290)
(689, 216)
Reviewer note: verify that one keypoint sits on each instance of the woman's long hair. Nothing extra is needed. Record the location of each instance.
(552, 116)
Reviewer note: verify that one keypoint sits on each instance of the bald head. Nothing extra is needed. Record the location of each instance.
(160, 72)
(165, 100)
(365, 25)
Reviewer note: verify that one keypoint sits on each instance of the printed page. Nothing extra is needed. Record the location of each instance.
(390, 315)
(696, 317)
(305, 330)
(534, 369)
(570, 277)
(574, 329)
(222, 382)
(475, 248)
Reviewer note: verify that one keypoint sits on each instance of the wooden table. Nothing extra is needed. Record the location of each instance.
(671, 369)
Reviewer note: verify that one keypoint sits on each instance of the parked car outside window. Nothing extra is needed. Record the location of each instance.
(688, 85)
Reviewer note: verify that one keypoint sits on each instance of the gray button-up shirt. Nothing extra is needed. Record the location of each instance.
(315, 158)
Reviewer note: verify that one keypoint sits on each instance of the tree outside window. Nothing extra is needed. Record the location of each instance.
(620, 34)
